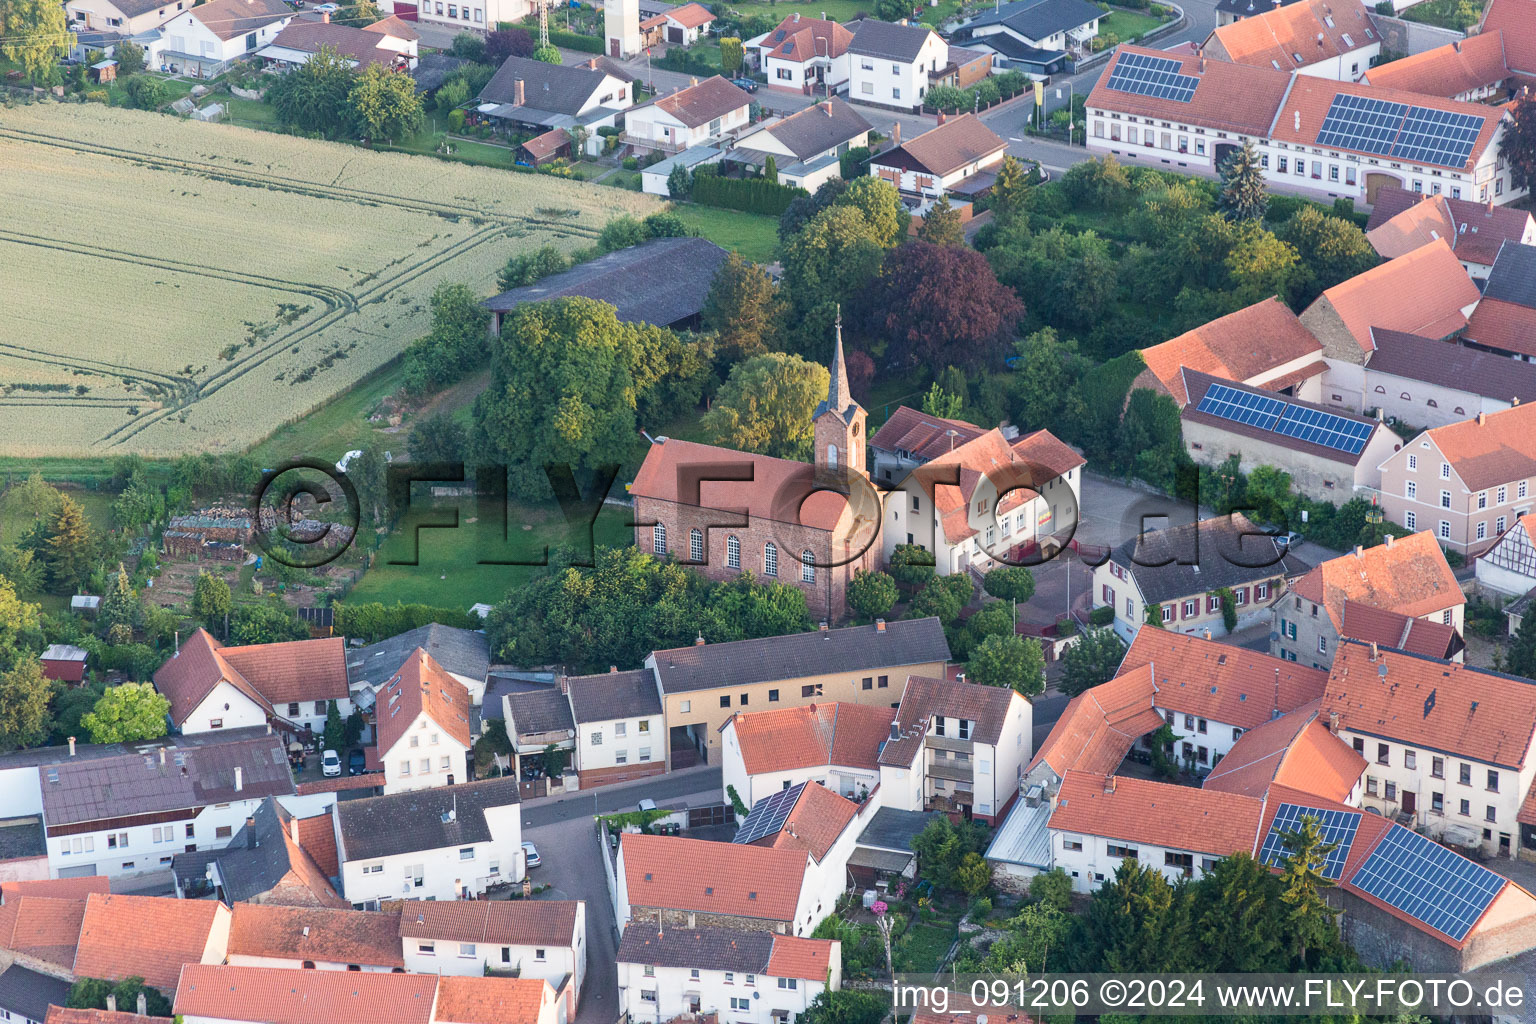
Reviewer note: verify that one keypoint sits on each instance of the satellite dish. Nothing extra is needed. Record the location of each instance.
(757, 995)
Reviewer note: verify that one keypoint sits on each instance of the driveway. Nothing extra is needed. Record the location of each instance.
(1114, 511)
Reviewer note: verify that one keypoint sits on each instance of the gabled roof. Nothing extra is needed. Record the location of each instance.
(1408, 575)
(1402, 221)
(1295, 750)
(817, 128)
(612, 696)
(1294, 36)
(26, 994)
(553, 88)
(1039, 19)
(1490, 449)
(1140, 811)
(359, 44)
(264, 861)
(1448, 364)
(1015, 468)
(228, 19)
(1230, 685)
(1197, 558)
(702, 103)
(1515, 20)
(54, 888)
(1506, 326)
(889, 41)
(1393, 629)
(492, 1000)
(735, 879)
(1422, 292)
(537, 711)
(1240, 346)
(275, 996)
(922, 436)
(365, 937)
(1264, 427)
(795, 957)
(953, 145)
(1099, 726)
(422, 819)
(150, 937)
(270, 674)
(504, 922)
(814, 822)
(797, 655)
(1473, 713)
(395, 27)
(67, 1015)
(46, 928)
(463, 652)
(985, 707)
(1458, 67)
(800, 39)
(1234, 97)
(421, 687)
(707, 949)
(831, 733)
(774, 492)
(1513, 277)
(690, 15)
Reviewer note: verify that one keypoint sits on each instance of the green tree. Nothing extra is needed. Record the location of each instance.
(25, 698)
(731, 54)
(547, 54)
(972, 875)
(940, 598)
(871, 594)
(743, 308)
(1310, 925)
(666, 224)
(1013, 661)
(352, 732)
(469, 46)
(129, 57)
(35, 497)
(68, 547)
(881, 206)
(313, 97)
(334, 735)
(366, 12)
(1092, 660)
(1228, 602)
(1053, 889)
(1517, 144)
(528, 267)
(912, 565)
(554, 761)
(1046, 376)
(1244, 195)
(621, 232)
(20, 625)
(210, 599)
(771, 169)
(455, 345)
(120, 604)
(1521, 657)
(22, 568)
(438, 438)
(35, 36)
(1135, 921)
(1009, 583)
(265, 624)
(138, 506)
(147, 92)
(129, 713)
(1237, 917)
(847, 1006)
(679, 182)
(835, 256)
(384, 104)
(1010, 191)
(941, 403)
(941, 225)
(765, 406)
(1329, 249)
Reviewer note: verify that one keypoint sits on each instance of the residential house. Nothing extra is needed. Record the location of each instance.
(805, 55)
(1466, 482)
(1228, 11)
(1425, 292)
(909, 438)
(806, 146)
(537, 719)
(1403, 221)
(956, 747)
(202, 41)
(815, 821)
(481, 16)
(40, 923)
(1448, 746)
(654, 177)
(1407, 577)
(315, 938)
(421, 718)
(808, 525)
(1471, 70)
(624, 279)
(1508, 567)
(133, 813)
(127, 19)
(1329, 454)
(703, 685)
(1211, 694)
(685, 24)
(301, 40)
(754, 978)
(149, 937)
(265, 863)
(986, 502)
(65, 662)
(289, 685)
(688, 117)
(964, 67)
(1296, 750)
(1512, 20)
(540, 939)
(669, 882)
(395, 34)
(25, 995)
(620, 729)
(1504, 321)
(447, 843)
(526, 95)
(882, 855)
(1430, 383)
(892, 65)
(1034, 31)
(1263, 346)
(833, 743)
(1180, 572)
(1314, 37)
(463, 653)
(959, 157)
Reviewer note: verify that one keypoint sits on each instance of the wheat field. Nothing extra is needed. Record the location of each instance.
(171, 286)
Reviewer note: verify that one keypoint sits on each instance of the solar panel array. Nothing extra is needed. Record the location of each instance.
(1385, 128)
(1152, 76)
(1269, 413)
(1335, 826)
(1428, 882)
(768, 815)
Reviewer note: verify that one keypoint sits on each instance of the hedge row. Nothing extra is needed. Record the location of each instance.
(750, 195)
(572, 41)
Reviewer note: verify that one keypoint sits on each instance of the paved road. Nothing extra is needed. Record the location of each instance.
(622, 797)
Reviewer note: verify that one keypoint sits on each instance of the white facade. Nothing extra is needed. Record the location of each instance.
(1200, 741)
(927, 185)
(625, 742)
(890, 83)
(104, 16)
(621, 27)
(552, 962)
(137, 849)
(226, 707)
(475, 16)
(951, 766)
(425, 755)
(195, 49)
(841, 779)
(650, 124)
(298, 963)
(440, 874)
(1509, 567)
(1417, 402)
(826, 74)
(653, 994)
(1091, 860)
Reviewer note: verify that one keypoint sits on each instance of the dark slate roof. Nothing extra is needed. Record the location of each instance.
(464, 652)
(891, 829)
(1196, 384)
(132, 9)
(705, 949)
(29, 994)
(851, 649)
(1016, 49)
(504, 684)
(1202, 557)
(1039, 19)
(1513, 277)
(382, 826)
(32, 757)
(924, 699)
(544, 710)
(889, 41)
(819, 127)
(1451, 365)
(22, 837)
(249, 870)
(659, 282)
(548, 87)
(433, 69)
(612, 696)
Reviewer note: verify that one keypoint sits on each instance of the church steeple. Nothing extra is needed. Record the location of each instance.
(837, 393)
(839, 421)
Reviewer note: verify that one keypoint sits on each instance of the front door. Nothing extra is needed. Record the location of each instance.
(1410, 803)
(613, 48)
(1376, 182)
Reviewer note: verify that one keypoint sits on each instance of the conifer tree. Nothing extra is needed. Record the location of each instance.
(1244, 195)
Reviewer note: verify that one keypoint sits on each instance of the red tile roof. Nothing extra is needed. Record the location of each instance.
(691, 15)
(276, 995)
(1435, 704)
(361, 45)
(1407, 575)
(1230, 685)
(1527, 814)
(60, 888)
(65, 1015)
(1503, 325)
(1392, 629)
(1402, 221)
(1500, 448)
(1016, 469)
(1423, 293)
(1241, 346)
(801, 958)
(831, 733)
(1294, 750)
(1294, 36)
(699, 104)
(924, 437)
(1140, 811)
(368, 938)
(509, 922)
(1516, 21)
(986, 707)
(393, 26)
(1232, 97)
(421, 686)
(718, 878)
(300, 670)
(814, 823)
(1463, 66)
(1098, 727)
(775, 491)
(494, 1001)
(43, 927)
(317, 837)
(1413, 226)
(953, 145)
(800, 39)
(147, 936)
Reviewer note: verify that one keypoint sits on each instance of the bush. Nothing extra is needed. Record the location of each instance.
(631, 164)
(572, 41)
(98, 96)
(455, 120)
(146, 92)
(608, 131)
(1102, 616)
(751, 195)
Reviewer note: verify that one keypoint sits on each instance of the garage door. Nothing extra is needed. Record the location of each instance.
(78, 871)
(1376, 182)
(674, 34)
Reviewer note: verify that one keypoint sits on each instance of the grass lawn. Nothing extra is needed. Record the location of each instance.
(251, 113)
(448, 573)
(16, 521)
(837, 10)
(337, 427)
(624, 179)
(923, 946)
(751, 234)
(1127, 25)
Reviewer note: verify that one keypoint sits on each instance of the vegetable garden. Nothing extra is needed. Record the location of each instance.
(220, 282)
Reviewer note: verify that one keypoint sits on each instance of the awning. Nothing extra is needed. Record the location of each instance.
(879, 860)
(975, 184)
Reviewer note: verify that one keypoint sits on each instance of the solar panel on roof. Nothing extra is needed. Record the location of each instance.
(1152, 76)
(1241, 406)
(1335, 826)
(1428, 882)
(1385, 128)
(768, 815)
(1324, 428)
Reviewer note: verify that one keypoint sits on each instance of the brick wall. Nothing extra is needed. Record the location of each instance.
(682, 919)
(1323, 321)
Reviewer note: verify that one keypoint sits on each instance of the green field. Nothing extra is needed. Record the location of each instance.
(751, 234)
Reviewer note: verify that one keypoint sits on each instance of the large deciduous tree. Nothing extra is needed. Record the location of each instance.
(1013, 661)
(941, 305)
(743, 308)
(25, 697)
(1330, 249)
(1518, 144)
(871, 594)
(210, 600)
(765, 406)
(35, 35)
(941, 224)
(527, 267)
(128, 713)
(438, 438)
(313, 96)
(1091, 661)
(832, 259)
(385, 104)
(454, 346)
(508, 42)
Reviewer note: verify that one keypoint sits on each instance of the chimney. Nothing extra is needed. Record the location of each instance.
(1109, 783)
(1374, 651)
(517, 92)
(177, 633)
(1389, 540)
(1456, 44)
(250, 831)
(698, 641)
(71, 746)
(692, 82)
(143, 1004)
(239, 779)
(827, 106)
(565, 683)
(1333, 722)
(879, 625)
(1515, 400)
(1207, 632)
(162, 756)
(111, 1003)
(824, 625)
(1358, 549)
(1479, 419)
(269, 727)
(941, 117)
(592, 64)
(796, 19)
(613, 670)
(293, 824)
(896, 134)
(1202, 65)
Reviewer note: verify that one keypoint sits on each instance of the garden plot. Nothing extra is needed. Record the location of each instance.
(174, 286)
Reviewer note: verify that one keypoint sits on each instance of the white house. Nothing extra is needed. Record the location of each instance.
(805, 55)
(806, 146)
(620, 731)
(682, 25)
(446, 843)
(674, 882)
(836, 744)
(959, 157)
(892, 65)
(747, 977)
(422, 719)
(462, 653)
(527, 94)
(1508, 567)
(474, 16)
(1047, 27)
(202, 40)
(1313, 37)
(314, 938)
(686, 118)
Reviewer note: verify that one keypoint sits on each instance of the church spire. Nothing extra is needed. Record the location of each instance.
(839, 397)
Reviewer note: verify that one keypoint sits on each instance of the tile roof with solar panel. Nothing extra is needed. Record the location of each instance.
(1337, 827)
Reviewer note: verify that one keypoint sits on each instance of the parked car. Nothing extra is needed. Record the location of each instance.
(357, 762)
(1287, 541)
(746, 84)
(647, 804)
(327, 8)
(330, 763)
(531, 855)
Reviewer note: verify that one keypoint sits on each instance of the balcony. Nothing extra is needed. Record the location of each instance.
(933, 742)
(954, 771)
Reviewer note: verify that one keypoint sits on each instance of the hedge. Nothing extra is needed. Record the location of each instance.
(572, 41)
(750, 195)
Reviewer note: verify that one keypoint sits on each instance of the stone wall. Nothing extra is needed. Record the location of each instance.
(683, 919)
(1410, 37)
